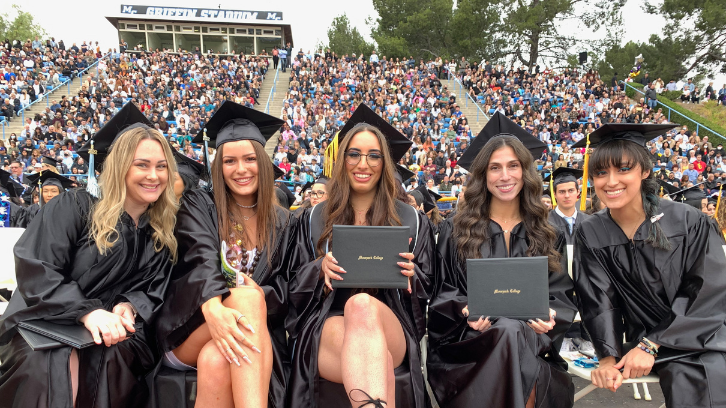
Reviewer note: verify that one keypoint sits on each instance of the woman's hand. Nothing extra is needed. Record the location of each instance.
(330, 270)
(108, 328)
(408, 267)
(125, 310)
(637, 363)
(542, 327)
(481, 325)
(223, 324)
(607, 375)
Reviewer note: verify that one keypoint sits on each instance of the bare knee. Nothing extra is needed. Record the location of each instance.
(214, 365)
(361, 309)
(250, 302)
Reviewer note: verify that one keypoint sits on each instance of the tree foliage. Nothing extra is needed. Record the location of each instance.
(474, 30)
(21, 28)
(344, 39)
(696, 27)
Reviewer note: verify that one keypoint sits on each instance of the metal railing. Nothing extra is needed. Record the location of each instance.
(67, 83)
(462, 89)
(673, 111)
(4, 123)
(272, 91)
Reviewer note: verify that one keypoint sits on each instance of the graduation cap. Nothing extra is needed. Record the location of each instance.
(188, 166)
(397, 142)
(403, 173)
(233, 122)
(306, 186)
(689, 195)
(49, 178)
(563, 175)
(634, 132)
(666, 188)
(278, 172)
(500, 125)
(14, 188)
(50, 161)
(429, 197)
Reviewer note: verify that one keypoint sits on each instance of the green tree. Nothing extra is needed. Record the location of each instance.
(474, 30)
(696, 27)
(344, 39)
(22, 27)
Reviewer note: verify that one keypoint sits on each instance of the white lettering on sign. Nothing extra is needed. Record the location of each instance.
(128, 10)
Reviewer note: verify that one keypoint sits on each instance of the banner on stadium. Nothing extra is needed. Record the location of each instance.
(206, 14)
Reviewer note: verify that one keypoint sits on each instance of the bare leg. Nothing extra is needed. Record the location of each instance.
(247, 385)
(532, 397)
(371, 334)
(73, 363)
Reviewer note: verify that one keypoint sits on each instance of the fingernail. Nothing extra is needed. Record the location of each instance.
(400, 263)
(540, 320)
(237, 362)
(247, 359)
(530, 321)
(256, 349)
(487, 318)
(342, 270)
(227, 357)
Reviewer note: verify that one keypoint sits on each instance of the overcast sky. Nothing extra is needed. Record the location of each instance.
(85, 20)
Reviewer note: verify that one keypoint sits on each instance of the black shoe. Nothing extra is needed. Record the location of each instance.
(377, 403)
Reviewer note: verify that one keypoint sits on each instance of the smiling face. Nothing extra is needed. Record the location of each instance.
(619, 186)
(362, 176)
(240, 171)
(504, 175)
(148, 175)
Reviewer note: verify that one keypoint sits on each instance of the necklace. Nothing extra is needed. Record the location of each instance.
(361, 214)
(505, 222)
(246, 218)
(245, 259)
(246, 206)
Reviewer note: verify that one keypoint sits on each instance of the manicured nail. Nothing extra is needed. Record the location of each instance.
(540, 320)
(530, 321)
(227, 357)
(251, 329)
(401, 263)
(237, 362)
(247, 359)
(256, 349)
(487, 318)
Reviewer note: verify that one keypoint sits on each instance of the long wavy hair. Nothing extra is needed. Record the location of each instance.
(471, 222)
(229, 214)
(107, 211)
(382, 211)
(623, 153)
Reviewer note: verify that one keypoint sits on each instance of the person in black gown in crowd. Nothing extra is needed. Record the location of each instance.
(652, 270)
(507, 362)
(359, 347)
(566, 216)
(102, 263)
(51, 185)
(228, 324)
(190, 173)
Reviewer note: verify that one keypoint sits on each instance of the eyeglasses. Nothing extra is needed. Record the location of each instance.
(317, 194)
(353, 158)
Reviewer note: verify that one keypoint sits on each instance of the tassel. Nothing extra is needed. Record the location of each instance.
(92, 186)
(661, 192)
(331, 153)
(552, 191)
(718, 202)
(206, 154)
(583, 197)
(40, 189)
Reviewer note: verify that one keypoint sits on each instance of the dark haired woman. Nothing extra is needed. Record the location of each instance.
(507, 362)
(225, 319)
(359, 347)
(653, 270)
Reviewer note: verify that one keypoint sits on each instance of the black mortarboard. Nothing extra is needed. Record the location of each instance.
(499, 125)
(49, 178)
(129, 116)
(563, 175)
(635, 132)
(233, 122)
(307, 185)
(429, 197)
(284, 196)
(689, 194)
(278, 172)
(403, 173)
(667, 188)
(188, 165)
(14, 188)
(546, 192)
(397, 142)
(50, 161)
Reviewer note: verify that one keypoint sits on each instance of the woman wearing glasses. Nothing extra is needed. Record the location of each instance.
(365, 340)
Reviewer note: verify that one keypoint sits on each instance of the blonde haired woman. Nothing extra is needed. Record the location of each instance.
(102, 263)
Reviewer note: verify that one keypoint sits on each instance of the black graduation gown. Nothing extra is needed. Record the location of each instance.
(197, 277)
(310, 307)
(62, 277)
(499, 367)
(561, 224)
(20, 217)
(674, 298)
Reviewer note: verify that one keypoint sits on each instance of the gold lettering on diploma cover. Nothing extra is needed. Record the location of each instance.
(507, 291)
(370, 258)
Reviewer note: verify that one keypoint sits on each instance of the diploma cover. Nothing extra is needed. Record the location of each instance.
(370, 256)
(516, 288)
(55, 335)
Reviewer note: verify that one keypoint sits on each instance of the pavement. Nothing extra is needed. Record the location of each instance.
(622, 398)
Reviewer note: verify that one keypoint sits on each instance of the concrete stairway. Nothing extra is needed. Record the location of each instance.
(69, 90)
(276, 101)
(467, 106)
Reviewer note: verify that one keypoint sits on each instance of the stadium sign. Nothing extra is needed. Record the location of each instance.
(217, 15)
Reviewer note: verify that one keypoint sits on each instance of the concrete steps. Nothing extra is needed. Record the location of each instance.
(17, 124)
(467, 106)
(276, 101)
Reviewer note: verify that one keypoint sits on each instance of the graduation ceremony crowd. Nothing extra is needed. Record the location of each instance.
(186, 264)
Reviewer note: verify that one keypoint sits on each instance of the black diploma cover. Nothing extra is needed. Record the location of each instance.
(516, 288)
(370, 256)
(56, 335)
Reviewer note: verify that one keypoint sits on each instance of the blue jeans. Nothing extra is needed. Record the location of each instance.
(652, 103)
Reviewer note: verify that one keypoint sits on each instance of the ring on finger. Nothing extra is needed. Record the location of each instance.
(229, 348)
(240, 316)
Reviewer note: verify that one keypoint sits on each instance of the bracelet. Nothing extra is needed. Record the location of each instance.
(647, 350)
(649, 344)
(133, 309)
